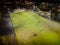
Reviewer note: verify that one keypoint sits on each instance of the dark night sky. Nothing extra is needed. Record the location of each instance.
(36, 0)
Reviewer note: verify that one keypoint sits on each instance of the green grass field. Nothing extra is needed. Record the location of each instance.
(32, 29)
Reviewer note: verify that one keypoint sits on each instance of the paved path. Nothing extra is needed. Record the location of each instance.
(7, 30)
